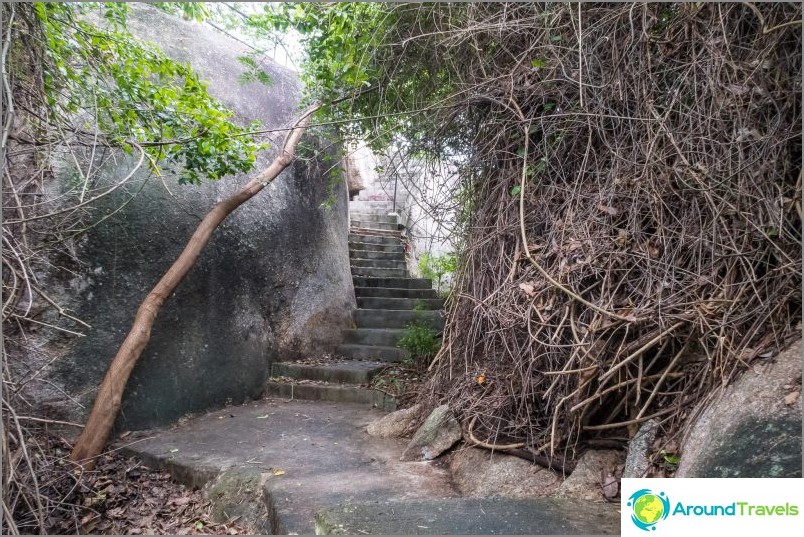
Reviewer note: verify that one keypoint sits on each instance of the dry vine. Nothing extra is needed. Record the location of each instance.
(634, 225)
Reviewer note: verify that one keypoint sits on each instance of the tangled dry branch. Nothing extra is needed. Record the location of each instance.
(635, 218)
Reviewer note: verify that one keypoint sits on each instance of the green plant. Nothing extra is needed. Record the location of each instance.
(436, 267)
(422, 343)
(137, 96)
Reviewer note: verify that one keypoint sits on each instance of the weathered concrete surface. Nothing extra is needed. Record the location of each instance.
(237, 494)
(586, 482)
(395, 424)
(544, 516)
(439, 432)
(312, 455)
(480, 473)
(273, 282)
(750, 430)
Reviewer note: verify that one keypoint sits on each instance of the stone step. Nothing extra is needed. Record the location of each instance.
(374, 197)
(397, 318)
(359, 205)
(384, 337)
(346, 372)
(395, 247)
(397, 283)
(378, 263)
(469, 516)
(375, 232)
(398, 255)
(383, 226)
(330, 392)
(381, 303)
(369, 217)
(374, 353)
(379, 272)
(374, 239)
(393, 292)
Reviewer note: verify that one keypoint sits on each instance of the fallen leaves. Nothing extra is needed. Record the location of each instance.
(277, 471)
(119, 497)
(529, 289)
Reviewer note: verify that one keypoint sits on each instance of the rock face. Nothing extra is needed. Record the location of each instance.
(439, 432)
(754, 428)
(591, 474)
(395, 424)
(479, 473)
(273, 281)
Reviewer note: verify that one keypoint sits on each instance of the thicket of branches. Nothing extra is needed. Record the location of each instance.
(631, 196)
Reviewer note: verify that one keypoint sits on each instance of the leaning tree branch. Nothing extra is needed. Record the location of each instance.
(110, 395)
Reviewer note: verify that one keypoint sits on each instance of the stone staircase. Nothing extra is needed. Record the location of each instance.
(388, 299)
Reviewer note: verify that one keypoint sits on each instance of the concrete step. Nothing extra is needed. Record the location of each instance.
(375, 232)
(393, 292)
(379, 272)
(387, 226)
(374, 353)
(360, 205)
(392, 246)
(379, 263)
(381, 303)
(346, 372)
(398, 255)
(384, 337)
(331, 392)
(469, 516)
(369, 217)
(397, 283)
(397, 318)
(369, 238)
(374, 197)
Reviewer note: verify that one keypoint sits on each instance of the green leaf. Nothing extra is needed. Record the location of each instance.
(515, 191)
(536, 62)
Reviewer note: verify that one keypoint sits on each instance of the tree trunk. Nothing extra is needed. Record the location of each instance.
(110, 395)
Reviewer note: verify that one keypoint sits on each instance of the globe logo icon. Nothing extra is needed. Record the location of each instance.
(648, 508)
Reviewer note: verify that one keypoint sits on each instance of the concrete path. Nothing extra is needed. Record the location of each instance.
(311, 455)
(500, 516)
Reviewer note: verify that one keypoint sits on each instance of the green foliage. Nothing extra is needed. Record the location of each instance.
(135, 94)
(436, 267)
(196, 11)
(348, 51)
(253, 72)
(421, 341)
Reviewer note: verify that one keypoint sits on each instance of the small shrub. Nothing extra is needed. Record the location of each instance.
(422, 343)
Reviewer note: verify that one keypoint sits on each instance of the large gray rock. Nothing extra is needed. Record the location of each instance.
(479, 473)
(754, 428)
(594, 471)
(273, 282)
(439, 432)
(395, 424)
